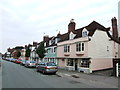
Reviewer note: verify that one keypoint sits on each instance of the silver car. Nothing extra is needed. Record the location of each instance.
(47, 67)
(30, 64)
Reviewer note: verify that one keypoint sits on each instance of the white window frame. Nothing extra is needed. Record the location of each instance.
(71, 36)
(84, 63)
(80, 46)
(84, 32)
(50, 42)
(66, 48)
(70, 62)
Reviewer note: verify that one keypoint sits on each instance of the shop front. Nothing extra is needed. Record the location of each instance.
(76, 64)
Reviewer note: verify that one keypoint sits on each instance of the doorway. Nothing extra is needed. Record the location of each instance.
(76, 64)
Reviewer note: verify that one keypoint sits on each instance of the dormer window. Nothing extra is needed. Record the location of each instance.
(84, 32)
(50, 42)
(45, 44)
(56, 40)
(71, 36)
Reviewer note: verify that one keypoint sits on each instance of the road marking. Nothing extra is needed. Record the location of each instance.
(67, 74)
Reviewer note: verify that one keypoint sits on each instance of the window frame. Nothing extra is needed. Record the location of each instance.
(84, 63)
(66, 48)
(80, 46)
(70, 62)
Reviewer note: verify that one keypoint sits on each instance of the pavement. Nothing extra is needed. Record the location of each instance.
(96, 80)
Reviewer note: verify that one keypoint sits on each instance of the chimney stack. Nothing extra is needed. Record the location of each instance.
(114, 28)
(71, 25)
(46, 38)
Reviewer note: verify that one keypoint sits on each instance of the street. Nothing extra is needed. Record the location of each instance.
(16, 76)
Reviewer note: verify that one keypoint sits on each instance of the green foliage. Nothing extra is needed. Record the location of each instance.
(41, 50)
(19, 47)
(27, 53)
(18, 54)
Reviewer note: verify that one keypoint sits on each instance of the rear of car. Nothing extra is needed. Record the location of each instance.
(30, 64)
(13, 60)
(18, 61)
(48, 67)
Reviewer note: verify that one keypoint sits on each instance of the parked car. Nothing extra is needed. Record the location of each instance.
(23, 62)
(8, 59)
(47, 67)
(13, 60)
(30, 64)
(18, 61)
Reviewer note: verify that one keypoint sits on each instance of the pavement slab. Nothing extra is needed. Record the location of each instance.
(96, 81)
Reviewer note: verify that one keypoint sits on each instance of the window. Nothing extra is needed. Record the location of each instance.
(50, 42)
(70, 62)
(80, 46)
(55, 49)
(51, 50)
(46, 50)
(84, 63)
(66, 48)
(51, 64)
(84, 33)
(56, 40)
(45, 44)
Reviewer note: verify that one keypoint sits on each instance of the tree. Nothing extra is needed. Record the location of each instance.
(27, 53)
(18, 54)
(41, 50)
(19, 47)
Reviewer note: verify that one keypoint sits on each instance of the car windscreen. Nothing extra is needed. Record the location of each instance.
(51, 64)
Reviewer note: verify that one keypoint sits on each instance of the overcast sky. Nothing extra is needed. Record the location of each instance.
(25, 21)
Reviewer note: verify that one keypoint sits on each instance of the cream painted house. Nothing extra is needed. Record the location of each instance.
(86, 49)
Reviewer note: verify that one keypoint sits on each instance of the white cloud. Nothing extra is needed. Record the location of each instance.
(29, 19)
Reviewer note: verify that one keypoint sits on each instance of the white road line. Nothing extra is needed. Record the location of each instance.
(67, 74)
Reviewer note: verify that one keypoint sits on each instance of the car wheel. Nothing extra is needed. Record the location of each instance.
(54, 73)
(43, 72)
(27, 66)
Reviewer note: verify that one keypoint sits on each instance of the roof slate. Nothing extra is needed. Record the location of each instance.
(92, 27)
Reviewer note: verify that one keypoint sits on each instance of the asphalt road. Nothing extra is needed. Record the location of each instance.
(17, 76)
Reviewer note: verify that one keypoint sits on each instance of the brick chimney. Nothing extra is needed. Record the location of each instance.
(71, 25)
(46, 38)
(35, 44)
(114, 28)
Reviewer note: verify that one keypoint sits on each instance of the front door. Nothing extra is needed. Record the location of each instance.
(76, 64)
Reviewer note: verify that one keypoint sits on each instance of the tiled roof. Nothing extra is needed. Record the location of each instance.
(95, 25)
(92, 27)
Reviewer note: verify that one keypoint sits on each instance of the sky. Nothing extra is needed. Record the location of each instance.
(25, 21)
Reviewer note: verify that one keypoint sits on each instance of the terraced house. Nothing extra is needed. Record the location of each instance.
(50, 44)
(86, 49)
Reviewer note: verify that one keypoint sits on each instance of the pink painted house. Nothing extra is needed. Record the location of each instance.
(86, 49)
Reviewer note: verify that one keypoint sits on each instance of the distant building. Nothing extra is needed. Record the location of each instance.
(33, 54)
(50, 44)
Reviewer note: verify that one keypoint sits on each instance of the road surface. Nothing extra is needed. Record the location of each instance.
(17, 76)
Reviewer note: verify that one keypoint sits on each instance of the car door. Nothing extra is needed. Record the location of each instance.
(40, 66)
